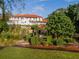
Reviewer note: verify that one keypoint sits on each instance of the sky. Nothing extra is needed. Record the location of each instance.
(43, 7)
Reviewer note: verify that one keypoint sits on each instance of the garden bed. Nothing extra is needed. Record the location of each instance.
(71, 48)
(53, 47)
(68, 47)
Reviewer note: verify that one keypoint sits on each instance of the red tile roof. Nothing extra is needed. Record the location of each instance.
(45, 20)
(28, 15)
(41, 26)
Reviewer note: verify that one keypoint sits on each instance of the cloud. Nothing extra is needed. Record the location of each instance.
(40, 8)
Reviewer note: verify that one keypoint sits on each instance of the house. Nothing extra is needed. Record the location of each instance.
(27, 19)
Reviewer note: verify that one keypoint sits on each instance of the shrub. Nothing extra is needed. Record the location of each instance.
(58, 41)
(6, 35)
(35, 40)
(28, 36)
(24, 37)
(3, 26)
(16, 37)
(69, 40)
(49, 40)
(54, 41)
(6, 38)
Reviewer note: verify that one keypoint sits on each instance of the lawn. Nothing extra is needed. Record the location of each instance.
(26, 53)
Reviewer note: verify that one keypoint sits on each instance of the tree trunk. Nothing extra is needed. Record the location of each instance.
(3, 11)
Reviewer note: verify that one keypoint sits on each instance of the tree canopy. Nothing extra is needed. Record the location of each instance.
(60, 24)
(9, 5)
(73, 13)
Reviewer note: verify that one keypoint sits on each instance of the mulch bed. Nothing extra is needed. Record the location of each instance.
(68, 47)
(61, 48)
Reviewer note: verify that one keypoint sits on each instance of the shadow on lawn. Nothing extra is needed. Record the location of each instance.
(2, 47)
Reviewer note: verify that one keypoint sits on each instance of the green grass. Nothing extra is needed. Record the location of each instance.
(26, 53)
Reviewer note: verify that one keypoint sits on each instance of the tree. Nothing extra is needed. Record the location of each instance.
(3, 26)
(8, 5)
(73, 13)
(59, 24)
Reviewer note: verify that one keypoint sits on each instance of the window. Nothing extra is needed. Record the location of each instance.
(40, 19)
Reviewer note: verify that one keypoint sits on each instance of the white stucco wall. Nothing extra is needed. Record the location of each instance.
(24, 21)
